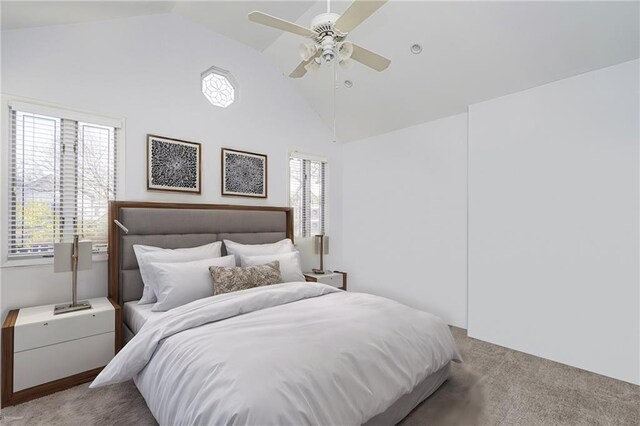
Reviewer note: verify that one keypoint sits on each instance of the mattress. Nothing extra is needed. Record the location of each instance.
(134, 315)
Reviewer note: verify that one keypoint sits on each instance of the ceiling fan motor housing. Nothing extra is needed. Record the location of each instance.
(326, 35)
(324, 22)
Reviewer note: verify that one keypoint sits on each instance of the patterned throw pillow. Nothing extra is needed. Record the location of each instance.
(227, 279)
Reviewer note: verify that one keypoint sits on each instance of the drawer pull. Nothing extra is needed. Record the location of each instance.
(45, 324)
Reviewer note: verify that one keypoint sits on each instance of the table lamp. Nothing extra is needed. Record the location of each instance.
(321, 245)
(71, 257)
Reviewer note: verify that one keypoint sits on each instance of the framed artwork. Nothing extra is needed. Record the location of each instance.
(244, 174)
(173, 165)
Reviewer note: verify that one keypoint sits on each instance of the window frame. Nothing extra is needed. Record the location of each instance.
(327, 171)
(59, 111)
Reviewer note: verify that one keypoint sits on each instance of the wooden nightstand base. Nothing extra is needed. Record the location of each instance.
(48, 388)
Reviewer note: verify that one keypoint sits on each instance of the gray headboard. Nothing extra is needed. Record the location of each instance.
(171, 225)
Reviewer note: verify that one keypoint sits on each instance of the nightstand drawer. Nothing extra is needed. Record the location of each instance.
(37, 366)
(62, 328)
(334, 280)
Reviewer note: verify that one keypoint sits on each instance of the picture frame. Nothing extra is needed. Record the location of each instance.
(173, 165)
(243, 174)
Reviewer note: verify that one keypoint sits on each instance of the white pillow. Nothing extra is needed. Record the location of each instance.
(289, 264)
(176, 284)
(149, 254)
(239, 250)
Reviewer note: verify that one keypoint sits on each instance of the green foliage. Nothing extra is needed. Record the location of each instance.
(38, 220)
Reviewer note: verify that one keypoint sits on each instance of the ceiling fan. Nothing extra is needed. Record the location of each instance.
(328, 33)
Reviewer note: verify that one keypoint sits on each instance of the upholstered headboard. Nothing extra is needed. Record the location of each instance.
(171, 225)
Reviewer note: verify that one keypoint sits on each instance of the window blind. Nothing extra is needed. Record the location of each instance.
(63, 173)
(307, 195)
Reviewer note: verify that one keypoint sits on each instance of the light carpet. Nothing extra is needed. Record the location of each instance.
(494, 386)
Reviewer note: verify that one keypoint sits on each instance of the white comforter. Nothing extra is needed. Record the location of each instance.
(287, 354)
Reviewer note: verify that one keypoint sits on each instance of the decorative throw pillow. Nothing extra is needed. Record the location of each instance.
(227, 279)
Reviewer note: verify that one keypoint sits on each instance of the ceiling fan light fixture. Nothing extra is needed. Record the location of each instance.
(219, 87)
(328, 32)
(345, 50)
(346, 64)
(328, 48)
(307, 51)
(416, 49)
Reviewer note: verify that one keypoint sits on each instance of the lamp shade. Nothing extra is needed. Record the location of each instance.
(316, 244)
(62, 261)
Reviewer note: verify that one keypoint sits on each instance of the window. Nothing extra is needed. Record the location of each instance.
(219, 87)
(308, 194)
(62, 175)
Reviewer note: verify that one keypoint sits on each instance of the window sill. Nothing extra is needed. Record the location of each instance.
(44, 261)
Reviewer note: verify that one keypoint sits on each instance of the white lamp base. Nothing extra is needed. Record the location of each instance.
(70, 307)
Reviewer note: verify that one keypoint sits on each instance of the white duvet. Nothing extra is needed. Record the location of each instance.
(287, 354)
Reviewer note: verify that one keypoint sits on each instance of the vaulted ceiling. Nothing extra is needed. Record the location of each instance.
(472, 51)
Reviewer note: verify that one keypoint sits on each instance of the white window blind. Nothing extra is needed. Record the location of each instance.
(63, 173)
(308, 195)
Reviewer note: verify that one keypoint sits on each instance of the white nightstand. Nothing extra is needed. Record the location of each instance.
(44, 353)
(333, 278)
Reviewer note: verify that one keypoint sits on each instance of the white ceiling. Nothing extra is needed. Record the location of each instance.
(472, 51)
(230, 18)
(25, 14)
(224, 17)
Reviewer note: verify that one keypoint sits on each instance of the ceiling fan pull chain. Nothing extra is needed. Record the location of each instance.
(335, 87)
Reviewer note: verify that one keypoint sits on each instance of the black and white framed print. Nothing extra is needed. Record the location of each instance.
(173, 165)
(244, 173)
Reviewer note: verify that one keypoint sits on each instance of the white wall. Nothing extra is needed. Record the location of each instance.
(553, 221)
(147, 70)
(404, 216)
(553, 196)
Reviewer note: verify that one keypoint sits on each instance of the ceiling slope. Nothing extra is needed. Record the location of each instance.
(472, 51)
(27, 14)
(229, 18)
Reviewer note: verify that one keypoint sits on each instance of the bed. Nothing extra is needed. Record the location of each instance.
(134, 316)
(291, 353)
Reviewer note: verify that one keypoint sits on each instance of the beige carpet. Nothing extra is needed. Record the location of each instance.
(495, 386)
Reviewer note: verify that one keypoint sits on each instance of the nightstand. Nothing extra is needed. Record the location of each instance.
(333, 278)
(44, 353)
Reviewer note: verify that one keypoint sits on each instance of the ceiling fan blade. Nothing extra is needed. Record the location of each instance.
(301, 69)
(357, 12)
(281, 24)
(370, 59)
